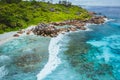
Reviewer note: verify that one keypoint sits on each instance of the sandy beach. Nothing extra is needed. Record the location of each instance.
(9, 35)
(6, 37)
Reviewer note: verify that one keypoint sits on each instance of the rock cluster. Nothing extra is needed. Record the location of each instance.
(97, 20)
(16, 35)
(27, 62)
(45, 30)
(51, 29)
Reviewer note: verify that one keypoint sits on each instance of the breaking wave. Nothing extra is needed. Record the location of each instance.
(54, 60)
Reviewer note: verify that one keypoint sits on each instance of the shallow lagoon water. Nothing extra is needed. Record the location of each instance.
(23, 57)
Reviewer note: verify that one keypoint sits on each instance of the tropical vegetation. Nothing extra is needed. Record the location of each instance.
(17, 14)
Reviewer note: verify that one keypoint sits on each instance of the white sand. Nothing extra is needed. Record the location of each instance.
(6, 37)
(9, 35)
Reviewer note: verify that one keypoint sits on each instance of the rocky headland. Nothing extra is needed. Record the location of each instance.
(52, 30)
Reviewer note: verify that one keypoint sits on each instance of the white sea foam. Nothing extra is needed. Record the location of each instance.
(108, 20)
(54, 60)
(4, 60)
(89, 24)
(3, 72)
(87, 27)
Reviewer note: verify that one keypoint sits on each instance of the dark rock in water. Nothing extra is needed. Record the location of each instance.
(73, 29)
(16, 35)
(83, 28)
(28, 61)
(99, 13)
(28, 32)
(97, 20)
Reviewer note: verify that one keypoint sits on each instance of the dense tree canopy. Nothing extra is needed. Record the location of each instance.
(17, 16)
(11, 1)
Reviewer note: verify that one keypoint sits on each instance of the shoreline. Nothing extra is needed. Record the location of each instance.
(54, 29)
(5, 37)
(49, 28)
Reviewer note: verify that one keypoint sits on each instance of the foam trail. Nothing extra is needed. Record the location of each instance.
(54, 60)
(108, 20)
(87, 28)
(3, 72)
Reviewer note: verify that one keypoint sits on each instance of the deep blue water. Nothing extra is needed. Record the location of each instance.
(81, 55)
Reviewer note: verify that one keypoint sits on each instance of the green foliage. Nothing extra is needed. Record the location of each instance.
(11, 1)
(17, 16)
